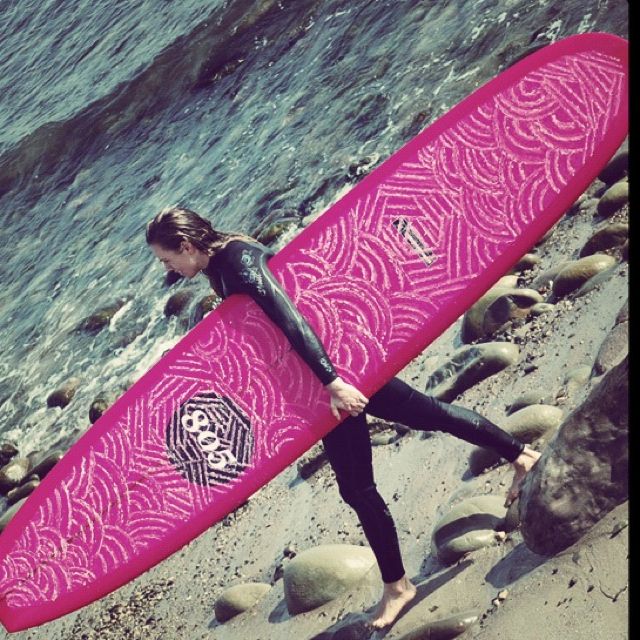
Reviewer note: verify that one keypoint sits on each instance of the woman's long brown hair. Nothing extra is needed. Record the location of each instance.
(173, 225)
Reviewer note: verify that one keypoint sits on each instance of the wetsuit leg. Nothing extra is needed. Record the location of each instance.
(397, 401)
(348, 448)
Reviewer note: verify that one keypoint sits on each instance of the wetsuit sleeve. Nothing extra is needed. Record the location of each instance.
(253, 277)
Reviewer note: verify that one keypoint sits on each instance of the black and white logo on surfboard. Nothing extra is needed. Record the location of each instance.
(209, 439)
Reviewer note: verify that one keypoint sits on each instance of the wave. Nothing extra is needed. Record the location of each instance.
(196, 61)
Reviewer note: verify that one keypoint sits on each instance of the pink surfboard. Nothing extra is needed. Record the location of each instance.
(379, 276)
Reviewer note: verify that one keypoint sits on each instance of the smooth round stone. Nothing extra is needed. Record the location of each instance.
(526, 263)
(321, 574)
(22, 491)
(470, 525)
(177, 303)
(545, 280)
(577, 377)
(382, 439)
(533, 422)
(614, 198)
(613, 235)
(204, 306)
(444, 629)
(526, 425)
(13, 473)
(62, 396)
(597, 280)
(472, 322)
(541, 308)
(579, 272)
(617, 168)
(100, 318)
(42, 468)
(10, 512)
(535, 396)
(470, 365)
(7, 451)
(512, 304)
(239, 598)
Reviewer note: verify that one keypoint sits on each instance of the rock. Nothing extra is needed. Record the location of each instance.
(472, 322)
(468, 366)
(541, 308)
(321, 574)
(512, 304)
(42, 468)
(583, 473)
(22, 491)
(577, 378)
(13, 473)
(526, 263)
(312, 461)
(9, 513)
(62, 396)
(624, 252)
(171, 278)
(574, 275)
(615, 346)
(203, 306)
(613, 235)
(527, 425)
(617, 168)
(614, 198)
(97, 408)
(276, 229)
(382, 439)
(238, 599)
(363, 166)
(444, 629)
(597, 280)
(177, 303)
(7, 451)
(512, 519)
(100, 319)
(545, 280)
(469, 525)
(102, 402)
(536, 396)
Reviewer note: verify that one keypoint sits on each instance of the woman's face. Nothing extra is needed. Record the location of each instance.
(188, 261)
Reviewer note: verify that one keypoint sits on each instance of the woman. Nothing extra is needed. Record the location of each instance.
(236, 263)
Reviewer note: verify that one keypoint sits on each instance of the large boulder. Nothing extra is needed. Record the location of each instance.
(583, 473)
(616, 345)
(321, 574)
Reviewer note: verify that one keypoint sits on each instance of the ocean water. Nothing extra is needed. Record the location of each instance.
(111, 111)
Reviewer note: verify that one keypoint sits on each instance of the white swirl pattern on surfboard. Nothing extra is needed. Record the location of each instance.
(462, 197)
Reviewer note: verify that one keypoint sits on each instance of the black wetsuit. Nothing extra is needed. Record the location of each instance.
(241, 267)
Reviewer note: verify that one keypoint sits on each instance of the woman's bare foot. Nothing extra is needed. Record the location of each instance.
(395, 596)
(522, 464)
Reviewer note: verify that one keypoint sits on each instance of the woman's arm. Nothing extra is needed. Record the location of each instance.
(251, 275)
